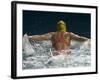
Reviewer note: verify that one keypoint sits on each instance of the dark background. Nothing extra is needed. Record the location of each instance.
(40, 22)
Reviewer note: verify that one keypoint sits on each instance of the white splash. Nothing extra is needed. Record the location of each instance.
(27, 47)
(37, 54)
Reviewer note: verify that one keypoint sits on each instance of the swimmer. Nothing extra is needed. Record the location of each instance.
(61, 39)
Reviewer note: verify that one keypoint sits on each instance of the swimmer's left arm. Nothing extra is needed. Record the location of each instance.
(77, 37)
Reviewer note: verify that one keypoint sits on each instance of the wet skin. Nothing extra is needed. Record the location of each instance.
(60, 40)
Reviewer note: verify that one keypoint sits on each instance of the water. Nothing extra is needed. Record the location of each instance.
(36, 55)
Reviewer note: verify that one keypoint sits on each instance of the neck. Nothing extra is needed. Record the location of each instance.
(61, 31)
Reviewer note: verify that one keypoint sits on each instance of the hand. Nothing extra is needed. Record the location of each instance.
(87, 43)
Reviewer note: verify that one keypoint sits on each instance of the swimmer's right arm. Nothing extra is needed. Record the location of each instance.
(46, 36)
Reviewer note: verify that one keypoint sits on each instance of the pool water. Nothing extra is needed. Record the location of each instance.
(37, 55)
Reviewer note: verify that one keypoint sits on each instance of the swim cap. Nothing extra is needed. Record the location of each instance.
(61, 26)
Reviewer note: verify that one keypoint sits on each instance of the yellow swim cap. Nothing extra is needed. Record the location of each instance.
(61, 26)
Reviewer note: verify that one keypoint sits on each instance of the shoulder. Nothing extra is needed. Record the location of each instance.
(68, 33)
